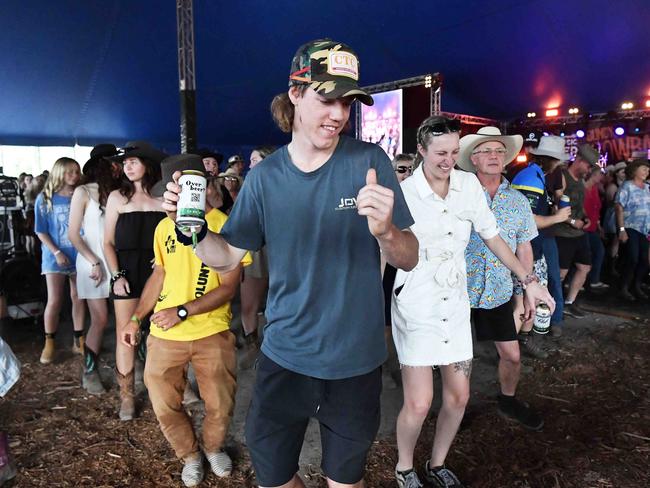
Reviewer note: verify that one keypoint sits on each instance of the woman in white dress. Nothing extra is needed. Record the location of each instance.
(86, 232)
(430, 305)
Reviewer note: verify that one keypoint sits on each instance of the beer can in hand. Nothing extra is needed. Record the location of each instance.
(565, 201)
(542, 322)
(191, 204)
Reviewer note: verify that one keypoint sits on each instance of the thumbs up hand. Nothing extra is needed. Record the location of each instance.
(376, 203)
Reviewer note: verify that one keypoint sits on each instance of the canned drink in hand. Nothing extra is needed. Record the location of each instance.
(542, 322)
(565, 201)
(191, 204)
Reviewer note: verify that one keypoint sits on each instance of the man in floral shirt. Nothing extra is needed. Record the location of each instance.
(489, 282)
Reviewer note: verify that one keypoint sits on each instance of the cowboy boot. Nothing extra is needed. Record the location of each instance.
(90, 380)
(78, 345)
(127, 395)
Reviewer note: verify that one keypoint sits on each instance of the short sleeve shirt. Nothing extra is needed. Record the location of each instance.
(325, 310)
(186, 279)
(489, 281)
(54, 222)
(636, 206)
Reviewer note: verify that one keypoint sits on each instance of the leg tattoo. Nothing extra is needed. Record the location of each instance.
(464, 366)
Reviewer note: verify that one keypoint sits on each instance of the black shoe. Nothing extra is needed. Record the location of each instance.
(572, 310)
(639, 294)
(556, 331)
(512, 409)
(529, 346)
(626, 295)
(441, 477)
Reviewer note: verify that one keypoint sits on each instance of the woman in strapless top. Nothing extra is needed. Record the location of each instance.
(131, 218)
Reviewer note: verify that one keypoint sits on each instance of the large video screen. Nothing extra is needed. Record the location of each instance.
(382, 123)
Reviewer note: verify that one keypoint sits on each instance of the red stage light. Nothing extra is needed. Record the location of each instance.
(522, 158)
(553, 112)
(647, 104)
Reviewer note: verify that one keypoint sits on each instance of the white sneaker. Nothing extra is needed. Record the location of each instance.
(220, 463)
(193, 471)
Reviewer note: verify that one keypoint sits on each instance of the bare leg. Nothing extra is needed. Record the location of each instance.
(509, 366)
(55, 286)
(455, 395)
(578, 279)
(124, 356)
(418, 394)
(78, 306)
(334, 484)
(98, 320)
(296, 482)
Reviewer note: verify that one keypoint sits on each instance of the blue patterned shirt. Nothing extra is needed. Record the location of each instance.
(636, 206)
(489, 282)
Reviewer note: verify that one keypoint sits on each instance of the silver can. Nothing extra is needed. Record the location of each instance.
(542, 322)
(190, 210)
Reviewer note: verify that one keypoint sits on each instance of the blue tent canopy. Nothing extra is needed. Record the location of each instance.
(95, 71)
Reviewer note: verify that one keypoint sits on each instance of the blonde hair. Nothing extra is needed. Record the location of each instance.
(56, 179)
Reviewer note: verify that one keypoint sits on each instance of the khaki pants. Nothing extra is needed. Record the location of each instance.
(214, 362)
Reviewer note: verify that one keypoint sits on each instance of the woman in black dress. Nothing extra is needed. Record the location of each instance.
(132, 215)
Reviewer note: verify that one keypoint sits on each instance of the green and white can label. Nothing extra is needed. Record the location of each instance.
(190, 210)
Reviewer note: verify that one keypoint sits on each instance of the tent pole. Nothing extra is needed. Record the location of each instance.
(186, 81)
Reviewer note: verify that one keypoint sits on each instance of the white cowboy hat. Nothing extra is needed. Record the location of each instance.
(552, 146)
(469, 142)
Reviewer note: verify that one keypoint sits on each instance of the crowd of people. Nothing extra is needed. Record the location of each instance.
(353, 252)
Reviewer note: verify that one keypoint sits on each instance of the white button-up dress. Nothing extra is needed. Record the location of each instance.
(430, 305)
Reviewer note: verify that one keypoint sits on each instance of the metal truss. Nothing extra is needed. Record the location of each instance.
(186, 79)
(585, 118)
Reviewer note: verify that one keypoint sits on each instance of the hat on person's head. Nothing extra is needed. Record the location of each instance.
(532, 139)
(613, 168)
(232, 160)
(171, 164)
(99, 152)
(230, 173)
(140, 149)
(330, 68)
(469, 142)
(589, 153)
(204, 152)
(551, 146)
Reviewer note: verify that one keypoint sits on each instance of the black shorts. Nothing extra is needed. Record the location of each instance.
(495, 324)
(283, 402)
(573, 250)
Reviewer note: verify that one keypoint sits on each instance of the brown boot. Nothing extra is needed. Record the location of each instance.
(47, 356)
(78, 345)
(127, 395)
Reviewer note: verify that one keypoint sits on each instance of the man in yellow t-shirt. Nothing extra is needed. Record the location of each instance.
(190, 324)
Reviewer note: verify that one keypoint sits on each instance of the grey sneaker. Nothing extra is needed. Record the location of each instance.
(441, 477)
(529, 346)
(220, 463)
(193, 471)
(408, 479)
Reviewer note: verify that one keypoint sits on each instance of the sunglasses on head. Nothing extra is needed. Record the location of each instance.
(440, 128)
(404, 169)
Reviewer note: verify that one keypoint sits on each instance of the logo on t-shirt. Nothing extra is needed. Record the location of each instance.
(170, 245)
(347, 204)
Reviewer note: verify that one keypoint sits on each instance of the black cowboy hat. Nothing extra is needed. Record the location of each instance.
(171, 164)
(99, 152)
(140, 149)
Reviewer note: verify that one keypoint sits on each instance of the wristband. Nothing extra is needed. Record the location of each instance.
(58, 251)
(621, 229)
(134, 318)
(187, 240)
(95, 264)
(572, 221)
(531, 278)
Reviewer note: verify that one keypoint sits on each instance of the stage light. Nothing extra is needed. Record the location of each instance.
(427, 81)
(647, 104)
(580, 133)
(627, 106)
(530, 115)
(619, 131)
(573, 110)
(546, 134)
(553, 112)
(521, 158)
(561, 134)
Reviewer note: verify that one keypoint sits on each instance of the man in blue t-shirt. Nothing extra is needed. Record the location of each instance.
(325, 206)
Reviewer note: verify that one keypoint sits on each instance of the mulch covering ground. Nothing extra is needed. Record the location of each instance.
(593, 392)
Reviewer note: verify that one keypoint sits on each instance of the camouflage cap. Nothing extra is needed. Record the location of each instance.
(330, 68)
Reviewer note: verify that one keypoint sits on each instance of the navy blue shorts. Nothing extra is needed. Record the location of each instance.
(348, 411)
